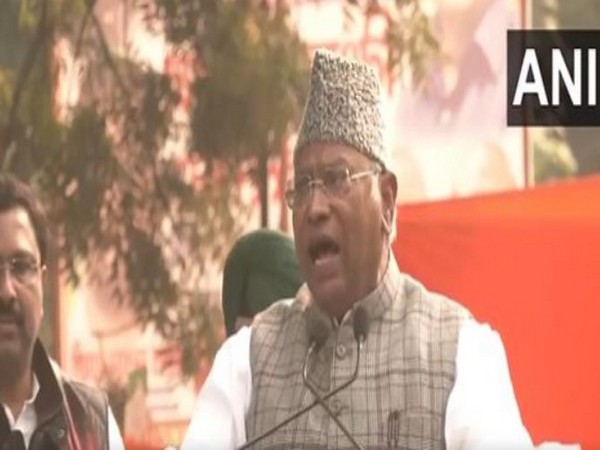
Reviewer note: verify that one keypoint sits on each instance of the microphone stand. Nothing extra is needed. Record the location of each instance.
(320, 400)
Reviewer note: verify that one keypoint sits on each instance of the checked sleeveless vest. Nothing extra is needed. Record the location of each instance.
(406, 371)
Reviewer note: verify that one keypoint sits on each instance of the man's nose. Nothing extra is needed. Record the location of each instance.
(318, 203)
(7, 284)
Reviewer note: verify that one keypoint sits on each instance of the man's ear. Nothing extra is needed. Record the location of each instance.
(389, 193)
(45, 284)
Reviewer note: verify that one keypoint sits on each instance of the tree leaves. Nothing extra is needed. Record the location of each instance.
(124, 210)
(155, 224)
(255, 83)
(410, 38)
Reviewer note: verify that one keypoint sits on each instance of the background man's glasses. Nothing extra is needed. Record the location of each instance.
(336, 182)
(21, 269)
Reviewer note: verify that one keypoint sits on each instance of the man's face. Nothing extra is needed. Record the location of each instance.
(339, 238)
(20, 287)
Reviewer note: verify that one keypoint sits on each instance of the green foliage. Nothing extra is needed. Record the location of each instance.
(584, 142)
(581, 14)
(409, 35)
(251, 82)
(255, 83)
(137, 378)
(158, 230)
(552, 157)
(11, 35)
(6, 83)
(111, 191)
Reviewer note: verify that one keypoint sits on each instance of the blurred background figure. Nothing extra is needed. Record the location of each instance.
(260, 269)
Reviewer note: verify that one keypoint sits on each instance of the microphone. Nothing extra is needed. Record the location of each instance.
(318, 334)
(360, 328)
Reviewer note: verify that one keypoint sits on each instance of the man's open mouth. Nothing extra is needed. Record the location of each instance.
(322, 248)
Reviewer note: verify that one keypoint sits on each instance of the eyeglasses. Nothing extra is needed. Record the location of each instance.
(336, 182)
(21, 269)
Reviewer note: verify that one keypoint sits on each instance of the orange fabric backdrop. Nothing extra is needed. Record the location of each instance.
(528, 263)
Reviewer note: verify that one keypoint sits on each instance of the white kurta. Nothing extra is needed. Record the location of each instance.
(482, 411)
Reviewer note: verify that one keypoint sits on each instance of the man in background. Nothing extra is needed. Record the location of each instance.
(42, 409)
(260, 269)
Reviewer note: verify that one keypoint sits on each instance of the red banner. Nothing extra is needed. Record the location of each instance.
(528, 263)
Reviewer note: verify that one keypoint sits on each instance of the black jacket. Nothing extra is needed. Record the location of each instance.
(70, 415)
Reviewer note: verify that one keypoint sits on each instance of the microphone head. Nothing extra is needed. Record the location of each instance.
(361, 323)
(318, 329)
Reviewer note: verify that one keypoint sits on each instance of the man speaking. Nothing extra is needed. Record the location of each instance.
(364, 356)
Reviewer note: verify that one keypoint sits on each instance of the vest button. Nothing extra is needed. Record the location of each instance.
(336, 407)
(59, 434)
(341, 351)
